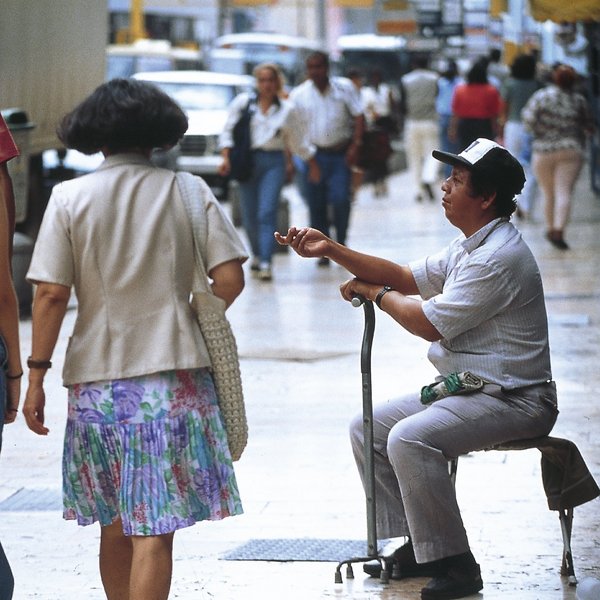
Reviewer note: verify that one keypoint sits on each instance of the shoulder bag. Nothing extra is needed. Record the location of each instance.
(240, 155)
(215, 328)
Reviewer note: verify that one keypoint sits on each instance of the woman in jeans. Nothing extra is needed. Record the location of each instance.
(559, 119)
(275, 132)
(10, 356)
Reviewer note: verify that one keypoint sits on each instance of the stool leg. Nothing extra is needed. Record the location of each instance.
(566, 526)
(452, 468)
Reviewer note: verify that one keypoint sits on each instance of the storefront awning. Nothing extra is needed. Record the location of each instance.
(561, 11)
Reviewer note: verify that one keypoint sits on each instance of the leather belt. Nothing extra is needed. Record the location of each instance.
(336, 148)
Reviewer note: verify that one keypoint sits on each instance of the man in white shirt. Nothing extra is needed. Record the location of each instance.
(480, 303)
(331, 110)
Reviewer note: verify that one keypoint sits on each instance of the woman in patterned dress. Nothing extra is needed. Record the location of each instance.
(145, 450)
(560, 119)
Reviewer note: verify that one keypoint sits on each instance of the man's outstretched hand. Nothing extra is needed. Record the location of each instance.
(306, 242)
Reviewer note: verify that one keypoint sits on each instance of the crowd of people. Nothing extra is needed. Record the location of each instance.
(145, 449)
(334, 135)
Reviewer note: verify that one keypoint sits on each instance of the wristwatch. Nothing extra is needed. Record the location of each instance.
(382, 292)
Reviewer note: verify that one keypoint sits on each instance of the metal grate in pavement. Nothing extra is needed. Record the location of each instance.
(302, 549)
(25, 499)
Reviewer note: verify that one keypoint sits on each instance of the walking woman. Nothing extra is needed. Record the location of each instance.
(276, 132)
(475, 108)
(559, 119)
(145, 450)
(10, 355)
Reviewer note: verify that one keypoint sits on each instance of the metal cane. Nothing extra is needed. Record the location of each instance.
(369, 475)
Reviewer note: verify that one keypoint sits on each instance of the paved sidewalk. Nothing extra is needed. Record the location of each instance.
(299, 344)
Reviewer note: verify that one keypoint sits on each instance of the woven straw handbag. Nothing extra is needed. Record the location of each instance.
(215, 328)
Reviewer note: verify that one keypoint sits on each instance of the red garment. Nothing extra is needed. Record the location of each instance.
(476, 101)
(8, 148)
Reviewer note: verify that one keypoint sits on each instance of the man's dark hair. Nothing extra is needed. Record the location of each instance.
(498, 172)
(122, 114)
(323, 56)
(478, 72)
(495, 54)
(523, 67)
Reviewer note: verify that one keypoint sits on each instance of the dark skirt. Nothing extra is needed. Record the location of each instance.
(471, 129)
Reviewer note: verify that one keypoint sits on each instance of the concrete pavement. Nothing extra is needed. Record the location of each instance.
(299, 344)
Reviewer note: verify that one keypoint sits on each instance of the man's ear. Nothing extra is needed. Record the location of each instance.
(488, 201)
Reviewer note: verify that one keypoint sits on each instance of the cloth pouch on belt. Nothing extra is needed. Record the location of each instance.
(451, 385)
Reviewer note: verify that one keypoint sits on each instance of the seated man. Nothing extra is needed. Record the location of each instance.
(481, 305)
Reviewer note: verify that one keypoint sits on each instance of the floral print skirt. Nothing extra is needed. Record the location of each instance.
(150, 450)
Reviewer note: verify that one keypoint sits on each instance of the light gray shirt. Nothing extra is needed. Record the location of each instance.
(420, 88)
(484, 295)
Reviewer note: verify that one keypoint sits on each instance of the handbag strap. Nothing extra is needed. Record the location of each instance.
(193, 200)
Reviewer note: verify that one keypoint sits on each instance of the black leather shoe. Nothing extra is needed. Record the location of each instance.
(402, 565)
(455, 584)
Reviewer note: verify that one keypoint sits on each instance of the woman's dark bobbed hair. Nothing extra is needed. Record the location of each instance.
(122, 114)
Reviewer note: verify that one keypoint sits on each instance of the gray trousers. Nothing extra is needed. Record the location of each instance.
(412, 445)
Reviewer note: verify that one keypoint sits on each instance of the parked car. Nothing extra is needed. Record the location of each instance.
(205, 97)
(123, 60)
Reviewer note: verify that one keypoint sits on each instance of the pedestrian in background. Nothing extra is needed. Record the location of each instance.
(10, 353)
(449, 79)
(332, 112)
(380, 105)
(559, 119)
(475, 107)
(145, 449)
(276, 132)
(419, 89)
(497, 71)
(358, 173)
(516, 91)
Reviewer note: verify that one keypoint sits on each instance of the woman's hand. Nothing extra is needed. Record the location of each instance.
(314, 172)
(224, 167)
(33, 409)
(13, 393)
(307, 242)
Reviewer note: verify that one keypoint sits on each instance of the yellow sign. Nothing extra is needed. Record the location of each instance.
(252, 2)
(395, 4)
(497, 7)
(559, 10)
(355, 3)
(396, 27)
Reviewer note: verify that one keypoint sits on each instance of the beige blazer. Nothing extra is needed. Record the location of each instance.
(121, 237)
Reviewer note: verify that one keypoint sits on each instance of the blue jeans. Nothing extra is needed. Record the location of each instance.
(333, 190)
(260, 201)
(7, 581)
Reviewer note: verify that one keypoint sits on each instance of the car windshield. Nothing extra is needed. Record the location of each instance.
(199, 96)
(123, 65)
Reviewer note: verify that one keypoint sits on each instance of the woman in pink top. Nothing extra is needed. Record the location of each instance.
(475, 108)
